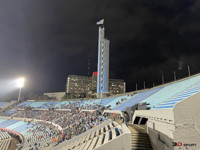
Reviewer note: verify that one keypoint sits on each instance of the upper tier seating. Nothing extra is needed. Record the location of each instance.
(49, 104)
(37, 104)
(90, 102)
(59, 105)
(107, 100)
(24, 104)
(2, 103)
(185, 94)
(10, 112)
(136, 99)
(118, 99)
(170, 91)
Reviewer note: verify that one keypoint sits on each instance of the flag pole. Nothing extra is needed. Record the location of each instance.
(174, 76)
(188, 70)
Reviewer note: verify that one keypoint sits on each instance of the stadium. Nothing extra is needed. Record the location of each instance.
(97, 113)
(165, 117)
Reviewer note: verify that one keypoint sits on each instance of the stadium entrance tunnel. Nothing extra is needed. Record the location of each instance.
(136, 121)
(140, 121)
(143, 121)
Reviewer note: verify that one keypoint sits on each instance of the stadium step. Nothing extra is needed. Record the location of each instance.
(139, 138)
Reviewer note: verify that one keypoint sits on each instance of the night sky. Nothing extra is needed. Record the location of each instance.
(46, 40)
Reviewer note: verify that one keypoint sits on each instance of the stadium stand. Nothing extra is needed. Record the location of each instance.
(107, 100)
(36, 104)
(184, 95)
(2, 103)
(24, 104)
(108, 135)
(177, 121)
(5, 140)
(170, 91)
(119, 100)
(136, 99)
(32, 132)
(172, 116)
(49, 104)
(61, 104)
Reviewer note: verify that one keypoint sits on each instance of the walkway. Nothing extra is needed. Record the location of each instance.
(139, 138)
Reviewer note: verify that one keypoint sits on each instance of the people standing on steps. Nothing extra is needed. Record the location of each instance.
(126, 118)
(114, 115)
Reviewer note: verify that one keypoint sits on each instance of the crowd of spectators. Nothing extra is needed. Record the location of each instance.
(72, 121)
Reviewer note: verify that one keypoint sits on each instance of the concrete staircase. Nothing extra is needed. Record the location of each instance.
(139, 138)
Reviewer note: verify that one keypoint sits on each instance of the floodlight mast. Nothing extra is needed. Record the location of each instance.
(20, 84)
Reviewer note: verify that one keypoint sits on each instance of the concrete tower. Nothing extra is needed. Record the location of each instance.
(103, 63)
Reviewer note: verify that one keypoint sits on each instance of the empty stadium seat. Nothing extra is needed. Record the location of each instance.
(170, 91)
(136, 99)
(185, 94)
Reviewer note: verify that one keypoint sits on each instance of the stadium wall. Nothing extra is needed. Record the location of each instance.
(174, 128)
(187, 121)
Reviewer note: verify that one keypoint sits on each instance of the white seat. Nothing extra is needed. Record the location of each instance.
(106, 137)
(88, 137)
(87, 145)
(99, 142)
(113, 133)
(94, 141)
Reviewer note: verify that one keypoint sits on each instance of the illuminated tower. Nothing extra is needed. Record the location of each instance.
(103, 62)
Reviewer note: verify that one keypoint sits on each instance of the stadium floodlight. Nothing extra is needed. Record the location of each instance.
(20, 84)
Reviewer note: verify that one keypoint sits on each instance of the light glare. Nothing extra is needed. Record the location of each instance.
(20, 82)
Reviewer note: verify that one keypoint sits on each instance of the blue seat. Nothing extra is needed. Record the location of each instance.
(63, 103)
(2, 120)
(7, 123)
(118, 99)
(15, 125)
(37, 104)
(25, 104)
(2, 104)
(23, 127)
(107, 100)
(136, 99)
(181, 96)
(49, 105)
(170, 91)
(165, 107)
(10, 112)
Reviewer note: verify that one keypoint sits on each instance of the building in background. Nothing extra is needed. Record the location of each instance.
(79, 86)
(55, 95)
(117, 86)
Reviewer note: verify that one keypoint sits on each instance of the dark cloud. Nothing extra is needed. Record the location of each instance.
(48, 40)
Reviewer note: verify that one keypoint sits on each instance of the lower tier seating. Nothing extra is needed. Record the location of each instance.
(103, 134)
(5, 140)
